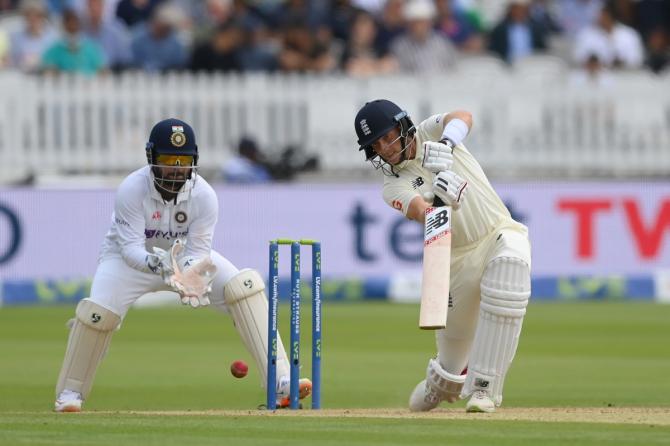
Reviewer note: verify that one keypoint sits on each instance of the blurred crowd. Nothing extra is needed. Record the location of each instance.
(357, 37)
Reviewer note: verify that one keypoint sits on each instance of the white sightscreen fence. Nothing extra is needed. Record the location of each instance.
(524, 127)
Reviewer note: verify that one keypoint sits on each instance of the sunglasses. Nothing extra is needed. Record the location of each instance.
(175, 160)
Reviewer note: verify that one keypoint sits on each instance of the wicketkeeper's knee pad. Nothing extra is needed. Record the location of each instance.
(245, 298)
(89, 339)
(447, 385)
(505, 290)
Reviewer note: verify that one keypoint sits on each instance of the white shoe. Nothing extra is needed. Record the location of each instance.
(423, 398)
(68, 401)
(480, 402)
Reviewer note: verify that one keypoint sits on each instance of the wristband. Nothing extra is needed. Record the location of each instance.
(455, 131)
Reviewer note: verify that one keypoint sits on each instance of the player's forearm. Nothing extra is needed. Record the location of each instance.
(457, 125)
(136, 258)
(417, 209)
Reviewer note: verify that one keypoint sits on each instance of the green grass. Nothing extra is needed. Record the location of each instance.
(571, 354)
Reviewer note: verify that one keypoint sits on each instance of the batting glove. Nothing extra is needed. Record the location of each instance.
(450, 188)
(160, 262)
(438, 156)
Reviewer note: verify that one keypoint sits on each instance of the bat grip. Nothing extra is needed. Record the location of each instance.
(437, 202)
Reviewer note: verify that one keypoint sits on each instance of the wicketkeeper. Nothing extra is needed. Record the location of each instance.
(490, 254)
(160, 239)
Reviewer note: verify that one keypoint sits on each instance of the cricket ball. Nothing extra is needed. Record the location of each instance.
(239, 369)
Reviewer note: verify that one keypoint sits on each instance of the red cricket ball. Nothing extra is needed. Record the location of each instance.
(239, 369)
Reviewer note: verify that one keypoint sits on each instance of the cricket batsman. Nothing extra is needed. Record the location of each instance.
(490, 253)
(160, 239)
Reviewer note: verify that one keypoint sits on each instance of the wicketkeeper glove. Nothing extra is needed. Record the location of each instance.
(191, 278)
(450, 188)
(438, 156)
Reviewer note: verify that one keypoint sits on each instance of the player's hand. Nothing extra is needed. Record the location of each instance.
(450, 188)
(160, 263)
(438, 156)
(192, 279)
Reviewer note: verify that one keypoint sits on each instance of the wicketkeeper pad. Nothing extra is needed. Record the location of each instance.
(245, 297)
(88, 342)
(505, 291)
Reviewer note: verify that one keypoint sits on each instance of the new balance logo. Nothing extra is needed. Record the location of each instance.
(437, 221)
(481, 383)
(418, 182)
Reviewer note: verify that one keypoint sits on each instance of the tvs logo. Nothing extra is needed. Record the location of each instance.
(156, 215)
(365, 128)
(648, 230)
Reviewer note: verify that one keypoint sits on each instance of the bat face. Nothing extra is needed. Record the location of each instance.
(436, 268)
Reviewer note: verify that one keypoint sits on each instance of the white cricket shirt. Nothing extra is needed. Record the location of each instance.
(482, 210)
(142, 219)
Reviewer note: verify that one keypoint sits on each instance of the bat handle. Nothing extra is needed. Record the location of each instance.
(437, 202)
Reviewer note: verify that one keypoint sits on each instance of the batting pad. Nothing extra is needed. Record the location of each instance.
(446, 384)
(245, 297)
(88, 342)
(505, 289)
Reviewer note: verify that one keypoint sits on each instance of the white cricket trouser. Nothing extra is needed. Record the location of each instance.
(467, 268)
(116, 286)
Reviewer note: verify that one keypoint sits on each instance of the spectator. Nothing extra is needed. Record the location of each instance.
(340, 18)
(309, 12)
(575, 15)
(74, 52)
(458, 27)
(517, 35)
(544, 15)
(28, 44)
(133, 12)
(8, 5)
(658, 54)
(108, 8)
(392, 24)
(248, 166)
(651, 15)
(420, 49)
(260, 51)
(361, 57)
(209, 16)
(374, 7)
(302, 52)
(109, 33)
(156, 46)
(222, 52)
(615, 44)
(592, 74)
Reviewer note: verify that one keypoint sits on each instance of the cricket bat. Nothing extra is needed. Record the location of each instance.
(436, 267)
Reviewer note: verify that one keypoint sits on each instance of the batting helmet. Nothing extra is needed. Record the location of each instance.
(375, 119)
(171, 137)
